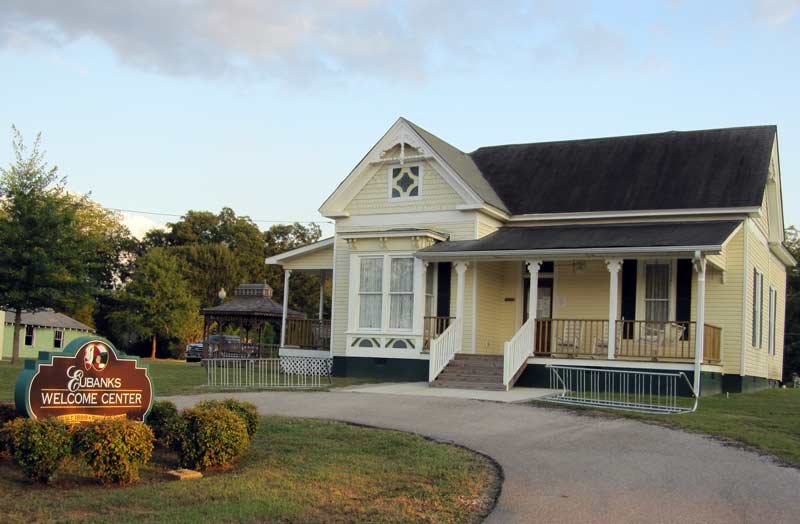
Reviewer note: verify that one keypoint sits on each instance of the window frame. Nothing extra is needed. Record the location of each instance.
(641, 284)
(772, 321)
(58, 339)
(757, 325)
(390, 175)
(391, 293)
(355, 326)
(360, 293)
(30, 333)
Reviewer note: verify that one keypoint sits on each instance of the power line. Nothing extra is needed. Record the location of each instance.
(156, 213)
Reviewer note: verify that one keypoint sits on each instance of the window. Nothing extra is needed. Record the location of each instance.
(430, 291)
(28, 335)
(401, 293)
(656, 292)
(404, 182)
(758, 306)
(58, 338)
(773, 307)
(370, 293)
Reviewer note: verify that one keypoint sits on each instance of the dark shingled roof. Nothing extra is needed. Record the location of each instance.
(594, 236)
(251, 300)
(48, 318)
(673, 170)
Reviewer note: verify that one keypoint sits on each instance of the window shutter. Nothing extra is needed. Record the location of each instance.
(628, 302)
(683, 294)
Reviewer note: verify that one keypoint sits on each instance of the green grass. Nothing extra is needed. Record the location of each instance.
(297, 470)
(169, 377)
(767, 420)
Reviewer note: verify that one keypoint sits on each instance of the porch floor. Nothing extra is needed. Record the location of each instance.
(422, 389)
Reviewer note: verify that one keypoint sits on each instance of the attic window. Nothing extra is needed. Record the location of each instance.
(405, 182)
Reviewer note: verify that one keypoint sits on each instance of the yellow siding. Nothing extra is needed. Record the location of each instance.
(464, 230)
(724, 302)
(762, 220)
(581, 292)
(777, 278)
(435, 194)
(496, 317)
(320, 259)
(486, 225)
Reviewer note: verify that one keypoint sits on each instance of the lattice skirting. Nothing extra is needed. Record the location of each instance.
(306, 366)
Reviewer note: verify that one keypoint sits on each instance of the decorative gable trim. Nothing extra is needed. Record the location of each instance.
(400, 134)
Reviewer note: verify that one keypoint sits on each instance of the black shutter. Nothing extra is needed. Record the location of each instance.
(443, 289)
(628, 297)
(683, 295)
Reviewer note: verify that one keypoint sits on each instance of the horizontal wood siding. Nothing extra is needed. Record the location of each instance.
(581, 290)
(496, 317)
(320, 259)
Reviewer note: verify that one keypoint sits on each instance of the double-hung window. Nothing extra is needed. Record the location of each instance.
(773, 307)
(656, 296)
(370, 293)
(401, 293)
(386, 292)
(758, 306)
(28, 335)
(58, 338)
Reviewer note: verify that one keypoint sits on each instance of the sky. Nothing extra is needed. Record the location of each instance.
(264, 106)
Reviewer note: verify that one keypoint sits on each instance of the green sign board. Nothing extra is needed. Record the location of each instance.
(88, 381)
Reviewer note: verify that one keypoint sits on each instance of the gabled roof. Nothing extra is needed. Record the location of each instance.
(717, 168)
(48, 319)
(665, 237)
(325, 243)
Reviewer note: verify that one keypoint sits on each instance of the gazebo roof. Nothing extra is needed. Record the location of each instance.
(251, 300)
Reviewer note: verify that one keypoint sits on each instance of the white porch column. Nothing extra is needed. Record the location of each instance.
(533, 267)
(614, 265)
(321, 294)
(700, 320)
(461, 268)
(286, 274)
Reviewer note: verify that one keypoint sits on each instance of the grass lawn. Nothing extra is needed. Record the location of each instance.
(767, 420)
(296, 471)
(170, 377)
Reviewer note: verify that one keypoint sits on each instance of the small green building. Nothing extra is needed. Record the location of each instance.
(41, 331)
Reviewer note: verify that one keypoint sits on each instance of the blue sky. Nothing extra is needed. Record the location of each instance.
(266, 106)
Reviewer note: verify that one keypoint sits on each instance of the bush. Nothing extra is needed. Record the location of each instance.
(115, 449)
(214, 436)
(166, 423)
(8, 412)
(245, 410)
(38, 446)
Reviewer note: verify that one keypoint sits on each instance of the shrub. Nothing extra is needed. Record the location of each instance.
(7, 412)
(166, 423)
(115, 449)
(38, 446)
(213, 436)
(247, 411)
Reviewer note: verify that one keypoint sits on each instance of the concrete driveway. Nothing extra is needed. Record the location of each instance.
(561, 467)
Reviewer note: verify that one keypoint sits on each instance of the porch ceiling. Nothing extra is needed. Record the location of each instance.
(553, 242)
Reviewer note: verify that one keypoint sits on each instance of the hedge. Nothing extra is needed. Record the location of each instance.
(115, 449)
(247, 411)
(213, 436)
(38, 446)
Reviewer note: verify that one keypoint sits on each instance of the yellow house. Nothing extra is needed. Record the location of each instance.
(658, 252)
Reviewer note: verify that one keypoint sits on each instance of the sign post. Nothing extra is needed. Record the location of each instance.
(87, 382)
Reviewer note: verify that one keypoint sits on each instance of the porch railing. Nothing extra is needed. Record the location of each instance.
(516, 352)
(444, 348)
(432, 327)
(635, 339)
(308, 333)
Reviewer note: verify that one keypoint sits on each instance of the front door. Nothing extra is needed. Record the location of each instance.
(544, 311)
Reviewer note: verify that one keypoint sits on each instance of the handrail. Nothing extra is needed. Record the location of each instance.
(444, 347)
(516, 352)
(432, 328)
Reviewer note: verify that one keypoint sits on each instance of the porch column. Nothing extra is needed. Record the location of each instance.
(461, 268)
(700, 318)
(533, 267)
(614, 265)
(321, 293)
(286, 274)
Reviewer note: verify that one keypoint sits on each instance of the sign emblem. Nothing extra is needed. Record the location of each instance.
(87, 382)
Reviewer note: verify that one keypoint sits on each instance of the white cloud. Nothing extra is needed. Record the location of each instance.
(139, 225)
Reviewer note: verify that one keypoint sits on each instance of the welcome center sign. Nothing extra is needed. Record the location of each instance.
(87, 382)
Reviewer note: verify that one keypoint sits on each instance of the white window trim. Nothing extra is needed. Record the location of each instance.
(641, 303)
(757, 325)
(25, 336)
(56, 338)
(772, 321)
(389, 175)
(418, 293)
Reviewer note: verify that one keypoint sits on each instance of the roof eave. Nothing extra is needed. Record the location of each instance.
(571, 253)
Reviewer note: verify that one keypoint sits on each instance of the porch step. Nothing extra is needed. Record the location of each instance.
(469, 371)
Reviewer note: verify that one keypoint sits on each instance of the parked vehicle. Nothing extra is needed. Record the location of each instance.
(194, 351)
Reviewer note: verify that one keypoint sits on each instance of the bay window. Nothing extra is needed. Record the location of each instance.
(401, 293)
(385, 292)
(370, 293)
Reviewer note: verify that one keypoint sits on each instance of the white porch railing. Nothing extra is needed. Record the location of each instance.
(444, 347)
(516, 352)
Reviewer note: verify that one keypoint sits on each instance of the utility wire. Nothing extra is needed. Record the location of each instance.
(156, 213)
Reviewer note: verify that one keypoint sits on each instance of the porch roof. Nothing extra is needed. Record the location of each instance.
(590, 240)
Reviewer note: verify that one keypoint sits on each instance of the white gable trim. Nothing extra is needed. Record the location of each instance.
(303, 250)
(400, 132)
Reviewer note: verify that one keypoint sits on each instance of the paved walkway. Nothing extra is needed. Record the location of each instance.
(422, 389)
(561, 468)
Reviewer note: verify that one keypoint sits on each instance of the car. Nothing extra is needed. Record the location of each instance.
(194, 351)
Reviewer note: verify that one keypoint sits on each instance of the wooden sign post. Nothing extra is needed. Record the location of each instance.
(85, 383)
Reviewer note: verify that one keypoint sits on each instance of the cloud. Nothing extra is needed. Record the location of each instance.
(303, 41)
(139, 225)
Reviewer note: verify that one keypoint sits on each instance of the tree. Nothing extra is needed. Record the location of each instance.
(207, 268)
(304, 294)
(45, 259)
(158, 302)
(791, 351)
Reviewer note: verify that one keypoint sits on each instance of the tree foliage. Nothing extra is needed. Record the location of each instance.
(791, 353)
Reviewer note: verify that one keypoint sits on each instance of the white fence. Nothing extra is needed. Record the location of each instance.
(283, 372)
(646, 391)
(444, 347)
(516, 352)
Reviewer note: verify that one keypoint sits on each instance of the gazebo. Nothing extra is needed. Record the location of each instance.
(251, 309)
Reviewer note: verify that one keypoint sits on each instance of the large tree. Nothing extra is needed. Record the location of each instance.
(158, 302)
(791, 351)
(46, 260)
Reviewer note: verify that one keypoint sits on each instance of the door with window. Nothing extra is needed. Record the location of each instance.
(656, 298)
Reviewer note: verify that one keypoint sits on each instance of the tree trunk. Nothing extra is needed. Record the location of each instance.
(153, 352)
(17, 329)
